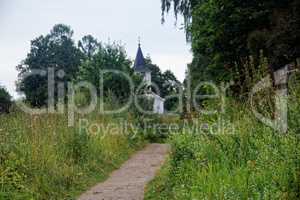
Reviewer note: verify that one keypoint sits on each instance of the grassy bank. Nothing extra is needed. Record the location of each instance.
(244, 159)
(42, 158)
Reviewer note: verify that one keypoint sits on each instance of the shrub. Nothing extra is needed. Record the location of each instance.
(5, 100)
(251, 161)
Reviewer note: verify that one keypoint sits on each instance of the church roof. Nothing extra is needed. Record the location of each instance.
(139, 63)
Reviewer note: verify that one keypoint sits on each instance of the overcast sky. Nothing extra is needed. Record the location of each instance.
(119, 20)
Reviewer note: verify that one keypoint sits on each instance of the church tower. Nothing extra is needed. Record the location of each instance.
(140, 66)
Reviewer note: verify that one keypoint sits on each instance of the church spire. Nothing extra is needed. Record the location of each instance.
(139, 63)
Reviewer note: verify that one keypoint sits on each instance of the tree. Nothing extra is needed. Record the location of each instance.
(108, 57)
(232, 34)
(5, 100)
(55, 50)
(89, 46)
(171, 87)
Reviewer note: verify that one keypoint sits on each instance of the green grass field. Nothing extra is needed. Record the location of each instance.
(253, 162)
(42, 158)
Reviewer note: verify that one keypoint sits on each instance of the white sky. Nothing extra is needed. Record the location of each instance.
(119, 20)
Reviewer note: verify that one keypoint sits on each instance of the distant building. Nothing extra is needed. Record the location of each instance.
(141, 68)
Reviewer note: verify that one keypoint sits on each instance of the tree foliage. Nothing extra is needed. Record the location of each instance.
(55, 50)
(89, 46)
(86, 61)
(108, 57)
(5, 100)
(166, 82)
(231, 35)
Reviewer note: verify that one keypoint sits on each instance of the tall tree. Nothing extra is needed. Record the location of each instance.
(108, 57)
(55, 50)
(229, 33)
(5, 100)
(89, 46)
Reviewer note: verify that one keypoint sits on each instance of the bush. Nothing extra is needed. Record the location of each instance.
(5, 100)
(253, 162)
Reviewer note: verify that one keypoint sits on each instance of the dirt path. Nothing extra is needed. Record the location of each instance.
(128, 182)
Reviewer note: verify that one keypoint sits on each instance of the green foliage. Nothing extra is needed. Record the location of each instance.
(90, 61)
(108, 57)
(55, 50)
(42, 158)
(243, 159)
(166, 84)
(5, 100)
(263, 166)
(82, 98)
(294, 103)
(89, 46)
(228, 33)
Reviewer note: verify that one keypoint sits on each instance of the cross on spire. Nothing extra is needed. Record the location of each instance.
(139, 40)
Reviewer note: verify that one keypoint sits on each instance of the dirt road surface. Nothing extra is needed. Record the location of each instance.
(128, 182)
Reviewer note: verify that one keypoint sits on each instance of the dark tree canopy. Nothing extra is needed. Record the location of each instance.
(231, 35)
(108, 57)
(89, 46)
(55, 50)
(5, 100)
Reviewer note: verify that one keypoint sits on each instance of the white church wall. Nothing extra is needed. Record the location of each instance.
(147, 77)
(158, 106)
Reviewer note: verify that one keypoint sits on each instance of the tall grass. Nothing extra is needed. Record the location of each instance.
(42, 158)
(253, 162)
